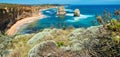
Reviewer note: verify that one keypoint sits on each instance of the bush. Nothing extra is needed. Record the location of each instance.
(114, 25)
(60, 44)
(109, 44)
(107, 47)
(5, 44)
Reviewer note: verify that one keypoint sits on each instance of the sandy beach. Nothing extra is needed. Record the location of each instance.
(14, 29)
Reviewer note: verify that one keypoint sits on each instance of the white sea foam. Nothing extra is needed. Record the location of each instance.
(83, 17)
(78, 18)
(72, 20)
(69, 14)
(69, 10)
(48, 11)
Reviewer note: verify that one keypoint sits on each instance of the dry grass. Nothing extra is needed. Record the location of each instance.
(16, 53)
(20, 47)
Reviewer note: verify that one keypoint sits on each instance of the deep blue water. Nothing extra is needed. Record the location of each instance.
(88, 14)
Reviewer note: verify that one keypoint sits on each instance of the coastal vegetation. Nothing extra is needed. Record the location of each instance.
(95, 41)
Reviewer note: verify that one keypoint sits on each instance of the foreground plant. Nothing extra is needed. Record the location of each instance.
(5, 44)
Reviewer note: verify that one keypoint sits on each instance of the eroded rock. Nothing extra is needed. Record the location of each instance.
(61, 11)
(40, 35)
(82, 38)
(76, 13)
(48, 49)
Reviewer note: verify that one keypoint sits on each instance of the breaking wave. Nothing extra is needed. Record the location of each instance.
(78, 18)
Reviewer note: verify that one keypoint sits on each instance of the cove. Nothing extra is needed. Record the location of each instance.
(87, 18)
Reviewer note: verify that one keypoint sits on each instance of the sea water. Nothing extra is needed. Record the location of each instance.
(87, 17)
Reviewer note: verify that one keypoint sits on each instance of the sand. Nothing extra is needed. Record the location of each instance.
(14, 29)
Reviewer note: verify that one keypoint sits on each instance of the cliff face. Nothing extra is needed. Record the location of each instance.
(9, 15)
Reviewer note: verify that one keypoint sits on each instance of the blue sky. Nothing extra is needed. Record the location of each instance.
(61, 1)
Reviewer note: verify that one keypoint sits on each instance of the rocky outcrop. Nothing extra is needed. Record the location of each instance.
(40, 35)
(61, 11)
(93, 41)
(48, 49)
(82, 38)
(76, 13)
(40, 49)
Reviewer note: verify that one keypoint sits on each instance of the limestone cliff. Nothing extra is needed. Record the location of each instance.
(10, 13)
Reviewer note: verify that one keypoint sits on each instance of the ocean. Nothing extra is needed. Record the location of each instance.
(87, 17)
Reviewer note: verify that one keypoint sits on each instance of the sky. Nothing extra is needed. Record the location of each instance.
(61, 1)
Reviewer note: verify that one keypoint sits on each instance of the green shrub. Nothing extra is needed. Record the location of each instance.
(116, 39)
(60, 44)
(114, 25)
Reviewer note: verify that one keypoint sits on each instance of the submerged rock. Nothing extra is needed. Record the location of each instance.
(76, 13)
(61, 11)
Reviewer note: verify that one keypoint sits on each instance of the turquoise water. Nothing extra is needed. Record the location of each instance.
(87, 17)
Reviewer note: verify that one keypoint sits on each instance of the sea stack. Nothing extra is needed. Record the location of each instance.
(76, 13)
(61, 11)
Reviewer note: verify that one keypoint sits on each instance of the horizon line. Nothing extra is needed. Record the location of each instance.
(56, 4)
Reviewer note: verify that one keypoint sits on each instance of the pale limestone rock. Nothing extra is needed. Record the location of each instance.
(76, 13)
(40, 35)
(61, 11)
(43, 49)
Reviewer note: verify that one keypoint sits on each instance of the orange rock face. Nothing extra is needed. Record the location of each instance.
(8, 16)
